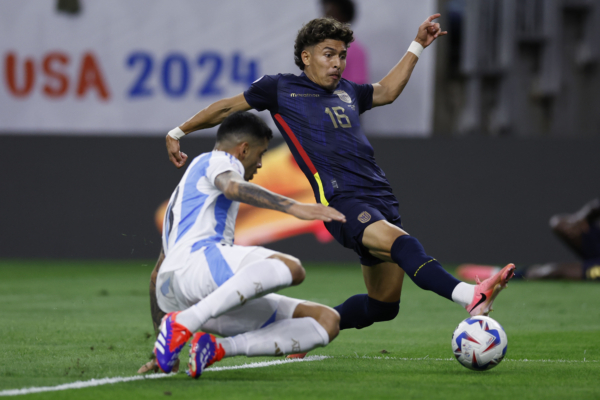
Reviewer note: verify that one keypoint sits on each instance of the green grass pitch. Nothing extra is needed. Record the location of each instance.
(72, 321)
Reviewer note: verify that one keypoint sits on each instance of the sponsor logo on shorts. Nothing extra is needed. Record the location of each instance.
(295, 346)
(343, 96)
(242, 298)
(364, 217)
(278, 351)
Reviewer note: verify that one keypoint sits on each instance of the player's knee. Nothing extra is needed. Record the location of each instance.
(380, 311)
(295, 266)
(325, 316)
(329, 319)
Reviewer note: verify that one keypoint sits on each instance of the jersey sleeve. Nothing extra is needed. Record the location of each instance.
(262, 94)
(364, 96)
(223, 163)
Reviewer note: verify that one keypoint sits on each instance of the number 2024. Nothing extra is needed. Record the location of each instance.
(175, 73)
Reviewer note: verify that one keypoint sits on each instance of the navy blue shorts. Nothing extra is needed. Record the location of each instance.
(360, 213)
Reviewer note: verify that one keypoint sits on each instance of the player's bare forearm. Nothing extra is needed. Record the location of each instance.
(235, 188)
(215, 113)
(157, 315)
(155, 311)
(207, 118)
(389, 88)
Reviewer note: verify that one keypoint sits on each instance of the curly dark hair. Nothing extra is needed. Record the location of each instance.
(318, 30)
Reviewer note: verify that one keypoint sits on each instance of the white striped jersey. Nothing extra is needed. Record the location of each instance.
(199, 214)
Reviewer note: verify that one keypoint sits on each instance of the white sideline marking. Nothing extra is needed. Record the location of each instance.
(426, 358)
(268, 363)
(119, 379)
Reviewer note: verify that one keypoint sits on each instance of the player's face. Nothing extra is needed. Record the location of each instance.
(325, 62)
(253, 160)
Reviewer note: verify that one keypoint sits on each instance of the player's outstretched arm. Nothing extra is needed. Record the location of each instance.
(157, 315)
(389, 88)
(234, 187)
(206, 118)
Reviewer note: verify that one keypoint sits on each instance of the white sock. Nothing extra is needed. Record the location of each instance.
(463, 294)
(256, 279)
(286, 336)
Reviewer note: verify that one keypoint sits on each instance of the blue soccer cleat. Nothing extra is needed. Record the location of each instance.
(204, 352)
(171, 339)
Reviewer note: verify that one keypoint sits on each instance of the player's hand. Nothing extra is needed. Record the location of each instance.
(316, 212)
(429, 31)
(175, 155)
(151, 366)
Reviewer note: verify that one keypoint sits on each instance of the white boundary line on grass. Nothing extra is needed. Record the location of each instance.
(426, 358)
(119, 379)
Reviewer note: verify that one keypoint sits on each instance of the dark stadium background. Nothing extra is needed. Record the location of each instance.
(468, 200)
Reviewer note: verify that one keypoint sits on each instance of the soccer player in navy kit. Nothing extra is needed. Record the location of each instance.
(317, 113)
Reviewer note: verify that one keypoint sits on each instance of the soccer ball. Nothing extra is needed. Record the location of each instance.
(479, 343)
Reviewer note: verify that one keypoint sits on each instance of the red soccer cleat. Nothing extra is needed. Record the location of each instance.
(470, 272)
(170, 340)
(297, 355)
(204, 352)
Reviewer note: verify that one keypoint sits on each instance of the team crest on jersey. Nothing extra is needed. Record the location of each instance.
(364, 217)
(343, 96)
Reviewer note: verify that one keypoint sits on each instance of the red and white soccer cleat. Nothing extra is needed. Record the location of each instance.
(204, 352)
(170, 340)
(486, 291)
(297, 355)
(470, 272)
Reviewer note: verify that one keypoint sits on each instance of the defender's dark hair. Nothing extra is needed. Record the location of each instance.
(318, 30)
(243, 123)
(345, 7)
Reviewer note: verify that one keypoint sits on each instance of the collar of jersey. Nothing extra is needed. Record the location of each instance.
(307, 79)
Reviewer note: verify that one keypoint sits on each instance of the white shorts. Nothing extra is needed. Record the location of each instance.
(253, 315)
(186, 278)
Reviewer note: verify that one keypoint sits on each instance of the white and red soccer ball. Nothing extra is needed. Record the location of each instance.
(479, 343)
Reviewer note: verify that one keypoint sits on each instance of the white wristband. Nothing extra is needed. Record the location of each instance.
(416, 49)
(176, 133)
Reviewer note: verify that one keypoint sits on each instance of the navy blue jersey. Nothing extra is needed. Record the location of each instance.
(322, 129)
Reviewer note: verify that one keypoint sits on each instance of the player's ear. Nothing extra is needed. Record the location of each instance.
(244, 150)
(306, 57)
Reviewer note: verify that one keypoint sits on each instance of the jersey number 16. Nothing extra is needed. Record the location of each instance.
(340, 116)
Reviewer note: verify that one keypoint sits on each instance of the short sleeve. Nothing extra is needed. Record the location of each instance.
(262, 94)
(364, 96)
(221, 163)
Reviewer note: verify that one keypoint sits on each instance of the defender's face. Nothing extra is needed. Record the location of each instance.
(253, 160)
(325, 62)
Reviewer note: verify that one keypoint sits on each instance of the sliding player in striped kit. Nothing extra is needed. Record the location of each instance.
(317, 112)
(207, 283)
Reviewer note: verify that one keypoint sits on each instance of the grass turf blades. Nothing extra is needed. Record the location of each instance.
(75, 321)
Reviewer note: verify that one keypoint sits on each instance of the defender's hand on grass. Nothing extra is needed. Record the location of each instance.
(429, 31)
(316, 212)
(175, 155)
(151, 366)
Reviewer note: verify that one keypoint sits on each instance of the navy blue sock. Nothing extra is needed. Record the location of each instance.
(590, 242)
(424, 270)
(360, 311)
(591, 269)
